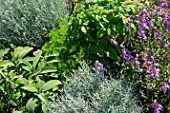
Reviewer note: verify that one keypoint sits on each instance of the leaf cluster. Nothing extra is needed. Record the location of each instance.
(94, 23)
(27, 80)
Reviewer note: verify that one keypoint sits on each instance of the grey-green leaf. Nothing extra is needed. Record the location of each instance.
(30, 88)
(50, 84)
(31, 105)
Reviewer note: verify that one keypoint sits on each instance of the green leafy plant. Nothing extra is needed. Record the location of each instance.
(27, 23)
(91, 92)
(68, 60)
(26, 81)
(89, 31)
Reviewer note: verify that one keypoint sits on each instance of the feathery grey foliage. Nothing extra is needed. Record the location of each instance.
(26, 22)
(91, 92)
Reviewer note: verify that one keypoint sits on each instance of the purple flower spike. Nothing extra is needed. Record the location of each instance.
(169, 24)
(141, 32)
(145, 27)
(114, 41)
(145, 38)
(165, 44)
(156, 64)
(99, 66)
(127, 55)
(151, 23)
(137, 62)
(165, 86)
(167, 59)
(157, 107)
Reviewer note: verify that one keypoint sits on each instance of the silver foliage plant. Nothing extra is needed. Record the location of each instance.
(24, 22)
(91, 92)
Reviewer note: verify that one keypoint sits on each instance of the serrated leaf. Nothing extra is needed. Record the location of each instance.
(30, 88)
(31, 105)
(3, 52)
(50, 84)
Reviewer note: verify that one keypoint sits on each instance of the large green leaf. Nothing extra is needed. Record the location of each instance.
(6, 63)
(37, 55)
(3, 52)
(30, 88)
(96, 49)
(25, 51)
(36, 72)
(111, 53)
(22, 81)
(48, 71)
(40, 82)
(44, 109)
(31, 105)
(20, 52)
(43, 98)
(50, 84)
(27, 65)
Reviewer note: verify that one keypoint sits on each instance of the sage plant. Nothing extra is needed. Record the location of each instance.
(146, 50)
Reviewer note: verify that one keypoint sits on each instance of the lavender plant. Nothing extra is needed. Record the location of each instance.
(91, 92)
(147, 53)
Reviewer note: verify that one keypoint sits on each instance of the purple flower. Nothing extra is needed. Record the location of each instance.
(157, 107)
(145, 57)
(99, 66)
(141, 32)
(165, 86)
(165, 44)
(138, 81)
(148, 86)
(167, 59)
(137, 62)
(126, 54)
(143, 65)
(151, 23)
(114, 41)
(156, 64)
(169, 24)
(145, 38)
(145, 27)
